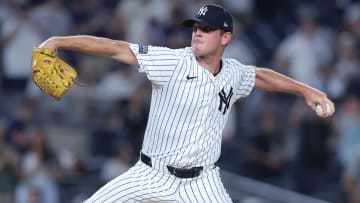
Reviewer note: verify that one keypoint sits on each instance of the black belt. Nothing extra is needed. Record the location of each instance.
(178, 172)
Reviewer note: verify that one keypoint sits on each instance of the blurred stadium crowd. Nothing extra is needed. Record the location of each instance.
(63, 151)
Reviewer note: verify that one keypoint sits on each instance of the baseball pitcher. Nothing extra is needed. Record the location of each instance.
(193, 89)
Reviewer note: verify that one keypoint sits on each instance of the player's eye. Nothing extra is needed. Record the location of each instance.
(203, 28)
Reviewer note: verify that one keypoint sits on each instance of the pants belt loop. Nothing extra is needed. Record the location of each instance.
(145, 159)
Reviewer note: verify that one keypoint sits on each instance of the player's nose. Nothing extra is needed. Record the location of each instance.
(197, 33)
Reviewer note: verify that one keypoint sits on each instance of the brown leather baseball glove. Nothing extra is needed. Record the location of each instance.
(51, 74)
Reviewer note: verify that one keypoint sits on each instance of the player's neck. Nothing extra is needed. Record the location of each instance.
(212, 64)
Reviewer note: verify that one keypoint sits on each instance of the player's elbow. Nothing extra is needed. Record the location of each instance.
(123, 53)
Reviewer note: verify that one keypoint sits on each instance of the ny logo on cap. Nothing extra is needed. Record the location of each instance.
(202, 11)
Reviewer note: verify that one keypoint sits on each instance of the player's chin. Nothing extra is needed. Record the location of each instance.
(198, 51)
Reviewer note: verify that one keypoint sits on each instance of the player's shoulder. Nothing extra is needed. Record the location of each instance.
(177, 51)
(158, 50)
(185, 53)
(233, 63)
(235, 67)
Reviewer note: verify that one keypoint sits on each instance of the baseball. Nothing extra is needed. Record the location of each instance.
(320, 112)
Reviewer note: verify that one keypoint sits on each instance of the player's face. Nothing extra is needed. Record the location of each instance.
(208, 41)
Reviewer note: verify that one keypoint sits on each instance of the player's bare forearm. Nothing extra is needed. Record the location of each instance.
(115, 49)
(269, 80)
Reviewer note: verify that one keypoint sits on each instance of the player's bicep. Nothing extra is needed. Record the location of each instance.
(124, 54)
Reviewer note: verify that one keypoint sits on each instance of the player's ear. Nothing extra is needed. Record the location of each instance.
(226, 37)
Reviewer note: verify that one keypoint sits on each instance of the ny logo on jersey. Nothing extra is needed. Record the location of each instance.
(225, 99)
(202, 11)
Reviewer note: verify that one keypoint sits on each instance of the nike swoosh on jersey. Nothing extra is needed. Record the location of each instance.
(188, 77)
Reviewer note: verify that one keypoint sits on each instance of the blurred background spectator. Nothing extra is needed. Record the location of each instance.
(39, 174)
(19, 34)
(267, 157)
(351, 180)
(63, 151)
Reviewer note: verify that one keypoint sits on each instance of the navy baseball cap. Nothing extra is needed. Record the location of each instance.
(213, 16)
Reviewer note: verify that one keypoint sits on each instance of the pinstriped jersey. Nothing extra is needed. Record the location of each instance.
(189, 105)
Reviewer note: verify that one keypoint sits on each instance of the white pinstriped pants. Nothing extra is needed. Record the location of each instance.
(142, 183)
